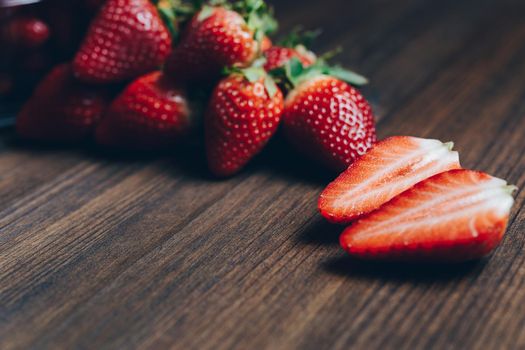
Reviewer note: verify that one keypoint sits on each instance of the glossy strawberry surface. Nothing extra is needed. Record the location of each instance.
(241, 118)
(125, 40)
(329, 120)
(62, 109)
(211, 42)
(150, 113)
(454, 216)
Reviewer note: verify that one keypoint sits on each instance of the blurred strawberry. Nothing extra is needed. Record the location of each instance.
(278, 56)
(293, 46)
(126, 39)
(243, 114)
(26, 32)
(150, 113)
(221, 36)
(61, 109)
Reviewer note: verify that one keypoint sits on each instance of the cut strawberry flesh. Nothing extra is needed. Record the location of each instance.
(391, 167)
(458, 215)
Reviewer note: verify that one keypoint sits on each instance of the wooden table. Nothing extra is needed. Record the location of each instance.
(140, 251)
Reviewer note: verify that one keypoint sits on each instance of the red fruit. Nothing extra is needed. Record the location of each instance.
(241, 118)
(454, 216)
(215, 38)
(330, 120)
(27, 32)
(150, 113)
(125, 40)
(266, 44)
(61, 109)
(392, 166)
(278, 56)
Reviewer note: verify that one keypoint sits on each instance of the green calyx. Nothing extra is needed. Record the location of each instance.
(257, 14)
(256, 73)
(299, 37)
(294, 73)
(174, 13)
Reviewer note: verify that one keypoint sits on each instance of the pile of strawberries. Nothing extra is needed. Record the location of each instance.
(146, 69)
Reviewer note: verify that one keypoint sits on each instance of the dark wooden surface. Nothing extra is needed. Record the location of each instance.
(114, 251)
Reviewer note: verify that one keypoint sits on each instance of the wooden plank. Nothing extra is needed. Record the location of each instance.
(101, 251)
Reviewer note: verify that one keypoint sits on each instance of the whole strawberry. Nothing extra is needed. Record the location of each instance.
(244, 113)
(26, 32)
(126, 39)
(324, 117)
(219, 37)
(150, 113)
(293, 46)
(61, 109)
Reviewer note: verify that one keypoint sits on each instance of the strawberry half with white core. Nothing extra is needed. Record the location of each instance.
(244, 113)
(389, 168)
(229, 35)
(125, 40)
(455, 216)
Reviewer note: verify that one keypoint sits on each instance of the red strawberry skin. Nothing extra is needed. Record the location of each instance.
(329, 120)
(27, 32)
(240, 120)
(454, 216)
(125, 40)
(278, 56)
(391, 167)
(151, 113)
(222, 39)
(61, 109)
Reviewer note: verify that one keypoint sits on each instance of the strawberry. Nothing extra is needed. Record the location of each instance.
(278, 56)
(61, 109)
(266, 44)
(150, 113)
(26, 32)
(324, 117)
(244, 112)
(125, 40)
(454, 216)
(219, 37)
(391, 167)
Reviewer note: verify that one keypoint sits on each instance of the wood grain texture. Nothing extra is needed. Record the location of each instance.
(125, 251)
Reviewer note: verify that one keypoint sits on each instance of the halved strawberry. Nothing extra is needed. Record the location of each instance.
(455, 216)
(389, 168)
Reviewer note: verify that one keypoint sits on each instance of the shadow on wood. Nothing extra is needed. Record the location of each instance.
(426, 273)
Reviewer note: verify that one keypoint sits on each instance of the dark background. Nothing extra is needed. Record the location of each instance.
(130, 251)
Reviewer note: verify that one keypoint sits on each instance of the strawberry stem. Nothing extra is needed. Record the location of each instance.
(510, 189)
(294, 72)
(299, 36)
